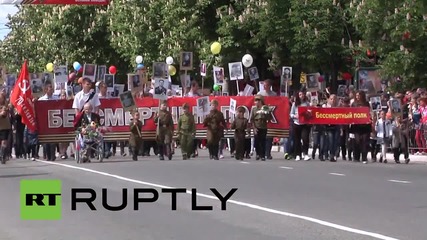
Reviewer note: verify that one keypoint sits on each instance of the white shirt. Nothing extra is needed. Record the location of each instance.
(45, 98)
(267, 94)
(192, 94)
(379, 128)
(101, 97)
(88, 117)
(81, 98)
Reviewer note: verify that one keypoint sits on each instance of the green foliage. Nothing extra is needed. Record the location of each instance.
(311, 35)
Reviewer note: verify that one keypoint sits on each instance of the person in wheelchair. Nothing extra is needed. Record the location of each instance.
(85, 119)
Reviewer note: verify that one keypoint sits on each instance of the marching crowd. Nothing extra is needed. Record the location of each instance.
(388, 130)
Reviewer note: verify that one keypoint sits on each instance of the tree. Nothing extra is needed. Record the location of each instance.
(396, 31)
(320, 31)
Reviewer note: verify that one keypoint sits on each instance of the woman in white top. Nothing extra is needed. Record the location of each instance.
(301, 131)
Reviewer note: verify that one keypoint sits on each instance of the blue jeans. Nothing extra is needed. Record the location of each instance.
(318, 143)
(290, 143)
(107, 147)
(332, 137)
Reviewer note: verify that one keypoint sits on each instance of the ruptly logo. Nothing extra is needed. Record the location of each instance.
(41, 199)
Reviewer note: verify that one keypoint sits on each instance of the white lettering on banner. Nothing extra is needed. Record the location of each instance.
(68, 117)
(146, 113)
(61, 118)
(113, 118)
(58, 118)
(273, 117)
(54, 118)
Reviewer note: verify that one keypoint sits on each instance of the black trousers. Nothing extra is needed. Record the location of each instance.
(31, 151)
(196, 145)
(403, 148)
(248, 146)
(19, 143)
(351, 147)
(302, 133)
(361, 141)
(213, 150)
(50, 150)
(344, 142)
(239, 140)
(260, 141)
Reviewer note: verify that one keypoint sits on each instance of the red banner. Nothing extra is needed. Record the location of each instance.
(21, 98)
(334, 116)
(56, 116)
(56, 2)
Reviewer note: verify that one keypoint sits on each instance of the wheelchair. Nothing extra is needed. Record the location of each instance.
(86, 147)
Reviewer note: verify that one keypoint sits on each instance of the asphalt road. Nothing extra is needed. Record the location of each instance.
(276, 199)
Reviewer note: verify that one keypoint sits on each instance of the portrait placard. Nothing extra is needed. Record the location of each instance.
(186, 61)
(218, 74)
(102, 70)
(61, 74)
(134, 83)
(233, 106)
(312, 82)
(375, 102)
(109, 80)
(236, 71)
(127, 100)
(160, 70)
(202, 106)
(89, 71)
(253, 73)
(161, 87)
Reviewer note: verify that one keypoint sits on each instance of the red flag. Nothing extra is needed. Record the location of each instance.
(21, 97)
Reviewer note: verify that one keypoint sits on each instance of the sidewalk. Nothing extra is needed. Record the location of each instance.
(412, 157)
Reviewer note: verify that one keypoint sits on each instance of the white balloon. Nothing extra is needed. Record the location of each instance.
(169, 60)
(138, 60)
(247, 60)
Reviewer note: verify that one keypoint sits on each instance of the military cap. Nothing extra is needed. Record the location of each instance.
(214, 102)
(185, 106)
(259, 97)
(241, 109)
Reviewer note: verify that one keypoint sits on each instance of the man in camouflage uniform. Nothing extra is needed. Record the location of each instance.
(240, 126)
(215, 123)
(165, 131)
(135, 138)
(186, 131)
(259, 118)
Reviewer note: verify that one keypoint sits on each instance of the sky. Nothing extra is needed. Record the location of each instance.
(4, 11)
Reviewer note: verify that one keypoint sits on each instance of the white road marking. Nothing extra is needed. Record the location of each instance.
(287, 167)
(337, 174)
(399, 181)
(239, 203)
(245, 162)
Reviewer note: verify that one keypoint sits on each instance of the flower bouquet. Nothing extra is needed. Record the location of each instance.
(265, 110)
(92, 132)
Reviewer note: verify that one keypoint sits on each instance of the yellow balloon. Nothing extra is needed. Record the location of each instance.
(49, 67)
(172, 70)
(216, 48)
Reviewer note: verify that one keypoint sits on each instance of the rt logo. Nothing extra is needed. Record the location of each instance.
(41, 199)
